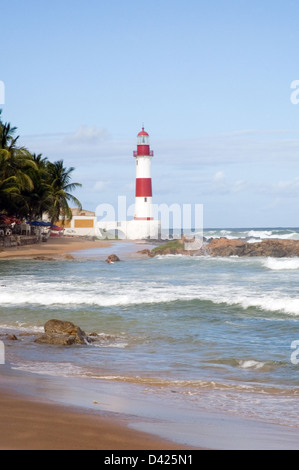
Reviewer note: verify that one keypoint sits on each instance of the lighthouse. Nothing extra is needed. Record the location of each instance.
(144, 194)
(143, 226)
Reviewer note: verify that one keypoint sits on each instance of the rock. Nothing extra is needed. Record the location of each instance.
(62, 332)
(57, 339)
(275, 248)
(147, 252)
(12, 337)
(112, 259)
(225, 247)
(266, 248)
(65, 327)
(182, 246)
(71, 257)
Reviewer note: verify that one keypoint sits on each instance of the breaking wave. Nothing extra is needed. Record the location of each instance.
(277, 264)
(135, 293)
(254, 234)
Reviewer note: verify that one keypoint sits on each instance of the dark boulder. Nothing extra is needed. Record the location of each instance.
(62, 332)
(112, 259)
(12, 337)
(57, 339)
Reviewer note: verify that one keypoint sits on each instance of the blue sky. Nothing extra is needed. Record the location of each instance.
(210, 80)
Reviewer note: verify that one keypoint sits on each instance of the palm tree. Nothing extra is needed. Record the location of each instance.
(37, 198)
(8, 190)
(60, 189)
(14, 161)
(30, 185)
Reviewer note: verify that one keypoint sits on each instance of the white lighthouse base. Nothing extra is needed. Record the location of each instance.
(130, 229)
(143, 229)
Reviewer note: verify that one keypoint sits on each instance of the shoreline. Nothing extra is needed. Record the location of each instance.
(30, 424)
(54, 248)
(41, 412)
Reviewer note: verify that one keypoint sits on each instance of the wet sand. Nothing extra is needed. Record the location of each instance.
(28, 424)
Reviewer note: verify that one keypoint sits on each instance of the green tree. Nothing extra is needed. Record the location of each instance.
(30, 185)
(60, 191)
(15, 163)
(8, 190)
(37, 198)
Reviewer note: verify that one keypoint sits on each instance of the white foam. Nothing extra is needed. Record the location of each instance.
(267, 302)
(258, 234)
(278, 264)
(21, 327)
(102, 292)
(251, 364)
(254, 240)
(262, 234)
(54, 369)
(106, 295)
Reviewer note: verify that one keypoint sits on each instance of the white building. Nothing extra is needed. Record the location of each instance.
(82, 224)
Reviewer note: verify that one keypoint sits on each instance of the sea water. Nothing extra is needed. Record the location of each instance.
(197, 332)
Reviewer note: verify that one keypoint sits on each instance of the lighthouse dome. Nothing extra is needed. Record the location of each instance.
(143, 133)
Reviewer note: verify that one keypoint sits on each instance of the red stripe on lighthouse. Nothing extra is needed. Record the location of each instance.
(143, 187)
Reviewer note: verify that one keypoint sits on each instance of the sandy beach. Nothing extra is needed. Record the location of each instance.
(28, 424)
(54, 247)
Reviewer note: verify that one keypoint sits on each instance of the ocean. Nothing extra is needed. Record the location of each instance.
(199, 334)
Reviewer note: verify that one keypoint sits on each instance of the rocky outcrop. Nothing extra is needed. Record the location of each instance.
(172, 247)
(238, 247)
(112, 259)
(12, 337)
(56, 339)
(231, 247)
(62, 333)
(147, 252)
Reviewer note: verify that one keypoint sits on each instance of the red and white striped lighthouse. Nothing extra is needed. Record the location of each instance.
(144, 196)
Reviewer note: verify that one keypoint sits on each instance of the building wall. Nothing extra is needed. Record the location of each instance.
(130, 230)
(81, 226)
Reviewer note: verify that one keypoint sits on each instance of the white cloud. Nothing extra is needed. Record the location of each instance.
(87, 135)
(287, 188)
(239, 185)
(219, 176)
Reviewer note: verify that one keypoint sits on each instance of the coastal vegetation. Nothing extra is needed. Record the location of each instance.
(169, 247)
(30, 184)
